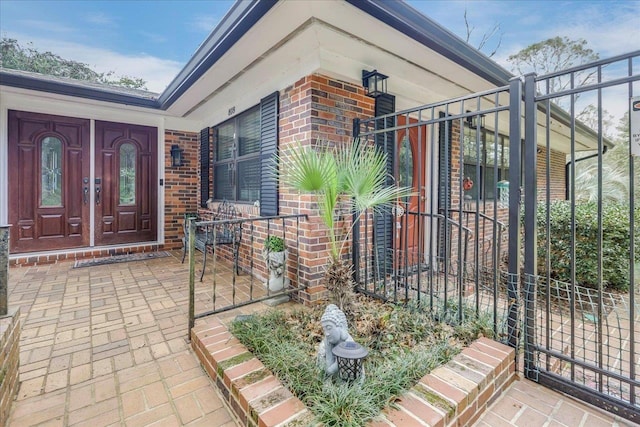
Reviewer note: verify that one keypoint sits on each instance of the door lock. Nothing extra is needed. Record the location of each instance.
(97, 181)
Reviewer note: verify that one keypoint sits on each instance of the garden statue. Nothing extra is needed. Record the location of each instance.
(334, 325)
(276, 263)
(275, 256)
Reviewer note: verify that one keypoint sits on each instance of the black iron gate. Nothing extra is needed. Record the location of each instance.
(581, 282)
(506, 226)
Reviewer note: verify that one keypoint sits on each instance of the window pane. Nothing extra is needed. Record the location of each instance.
(51, 172)
(224, 142)
(472, 147)
(249, 180)
(222, 182)
(491, 148)
(249, 133)
(489, 184)
(127, 174)
(504, 162)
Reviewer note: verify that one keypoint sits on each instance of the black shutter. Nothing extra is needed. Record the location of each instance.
(268, 149)
(383, 220)
(445, 140)
(204, 166)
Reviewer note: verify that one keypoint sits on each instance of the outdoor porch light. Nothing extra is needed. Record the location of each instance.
(476, 121)
(350, 356)
(176, 156)
(375, 83)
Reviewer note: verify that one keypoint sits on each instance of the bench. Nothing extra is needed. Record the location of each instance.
(208, 236)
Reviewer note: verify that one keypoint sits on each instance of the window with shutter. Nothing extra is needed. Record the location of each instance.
(236, 171)
(268, 149)
(244, 150)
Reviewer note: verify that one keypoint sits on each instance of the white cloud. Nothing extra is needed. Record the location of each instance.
(609, 29)
(156, 71)
(204, 23)
(100, 18)
(48, 26)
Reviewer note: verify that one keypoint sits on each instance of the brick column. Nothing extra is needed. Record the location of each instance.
(181, 184)
(316, 108)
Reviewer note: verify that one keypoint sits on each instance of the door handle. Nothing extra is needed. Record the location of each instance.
(85, 194)
(97, 195)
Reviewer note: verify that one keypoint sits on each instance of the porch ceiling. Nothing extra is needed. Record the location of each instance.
(295, 39)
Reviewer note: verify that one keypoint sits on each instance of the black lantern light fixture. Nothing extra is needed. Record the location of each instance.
(176, 156)
(375, 83)
(350, 356)
(476, 121)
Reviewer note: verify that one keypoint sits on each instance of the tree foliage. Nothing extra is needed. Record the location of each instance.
(557, 251)
(16, 57)
(555, 54)
(614, 174)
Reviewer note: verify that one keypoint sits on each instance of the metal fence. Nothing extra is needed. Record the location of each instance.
(506, 224)
(581, 282)
(240, 279)
(446, 247)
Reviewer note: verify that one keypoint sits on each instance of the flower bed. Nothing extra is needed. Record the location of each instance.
(454, 393)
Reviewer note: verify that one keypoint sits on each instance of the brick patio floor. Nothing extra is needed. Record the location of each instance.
(106, 345)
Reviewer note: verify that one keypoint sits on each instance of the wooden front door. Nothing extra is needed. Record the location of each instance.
(411, 173)
(48, 182)
(52, 190)
(125, 183)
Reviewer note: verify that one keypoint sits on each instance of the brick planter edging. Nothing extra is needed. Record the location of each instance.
(9, 361)
(455, 394)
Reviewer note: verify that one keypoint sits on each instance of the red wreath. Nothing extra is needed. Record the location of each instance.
(467, 184)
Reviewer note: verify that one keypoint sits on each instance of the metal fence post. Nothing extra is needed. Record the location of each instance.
(530, 220)
(4, 269)
(515, 165)
(192, 273)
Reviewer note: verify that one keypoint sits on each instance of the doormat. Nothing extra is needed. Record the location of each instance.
(141, 256)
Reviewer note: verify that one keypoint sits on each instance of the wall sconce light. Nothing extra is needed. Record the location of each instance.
(476, 121)
(350, 356)
(176, 156)
(375, 83)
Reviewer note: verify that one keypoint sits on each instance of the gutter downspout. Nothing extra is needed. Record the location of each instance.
(573, 162)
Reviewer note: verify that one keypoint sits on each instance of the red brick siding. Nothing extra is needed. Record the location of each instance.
(181, 184)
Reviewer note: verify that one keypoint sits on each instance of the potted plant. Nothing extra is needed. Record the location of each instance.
(275, 256)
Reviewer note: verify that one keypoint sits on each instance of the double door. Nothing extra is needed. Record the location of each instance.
(61, 196)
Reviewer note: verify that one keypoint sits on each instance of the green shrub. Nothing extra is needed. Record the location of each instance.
(615, 243)
(274, 244)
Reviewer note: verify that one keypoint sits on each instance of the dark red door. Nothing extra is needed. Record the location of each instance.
(411, 173)
(125, 183)
(48, 182)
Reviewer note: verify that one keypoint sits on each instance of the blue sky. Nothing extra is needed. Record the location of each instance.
(154, 39)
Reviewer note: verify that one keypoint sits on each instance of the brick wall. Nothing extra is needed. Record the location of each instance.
(9, 362)
(181, 184)
(557, 183)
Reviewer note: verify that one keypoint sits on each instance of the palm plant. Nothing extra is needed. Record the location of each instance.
(615, 183)
(349, 177)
